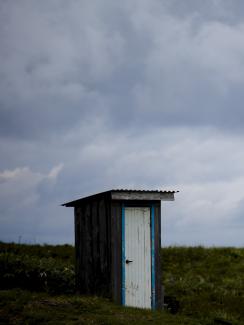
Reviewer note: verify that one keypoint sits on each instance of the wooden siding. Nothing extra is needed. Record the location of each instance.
(116, 213)
(92, 243)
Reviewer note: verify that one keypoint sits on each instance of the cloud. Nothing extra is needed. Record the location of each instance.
(53, 174)
(17, 186)
(20, 174)
(194, 161)
(21, 186)
(24, 211)
(122, 94)
(65, 64)
(13, 174)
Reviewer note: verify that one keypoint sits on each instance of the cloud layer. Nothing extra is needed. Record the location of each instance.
(140, 94)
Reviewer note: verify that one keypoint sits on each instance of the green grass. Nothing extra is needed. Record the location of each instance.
(23, 307)
(208, 282)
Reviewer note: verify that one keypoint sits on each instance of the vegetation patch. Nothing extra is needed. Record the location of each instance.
(37, 287)
(39, 268)
(208, 282)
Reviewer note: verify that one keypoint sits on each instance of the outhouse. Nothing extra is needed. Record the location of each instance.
(117, 245)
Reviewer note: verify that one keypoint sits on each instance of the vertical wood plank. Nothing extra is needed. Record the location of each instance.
(108, 244)
(116, 248)
(95, 254)
(77, 217)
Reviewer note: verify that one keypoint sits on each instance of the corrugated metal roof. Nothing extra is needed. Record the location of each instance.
(128, 194)
(143, 191)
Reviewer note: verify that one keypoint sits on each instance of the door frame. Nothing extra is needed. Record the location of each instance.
(152, 231)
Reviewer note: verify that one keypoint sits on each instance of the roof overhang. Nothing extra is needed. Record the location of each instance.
(127, 195)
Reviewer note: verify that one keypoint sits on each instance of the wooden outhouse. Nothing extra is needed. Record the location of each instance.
(117, 245)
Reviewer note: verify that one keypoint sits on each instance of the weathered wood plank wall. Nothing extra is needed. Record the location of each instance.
(92, 243)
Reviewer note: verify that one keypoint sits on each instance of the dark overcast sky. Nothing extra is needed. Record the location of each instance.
(108, 94)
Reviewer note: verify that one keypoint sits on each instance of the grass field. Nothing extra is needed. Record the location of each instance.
(37, 287)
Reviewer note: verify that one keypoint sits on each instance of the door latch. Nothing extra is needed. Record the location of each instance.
(128, 261)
